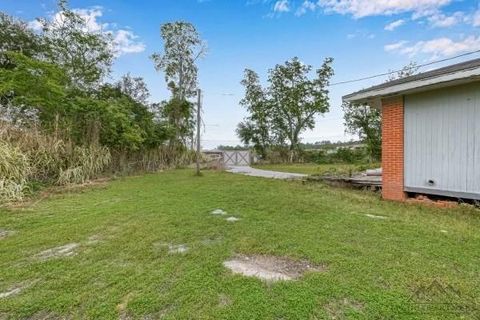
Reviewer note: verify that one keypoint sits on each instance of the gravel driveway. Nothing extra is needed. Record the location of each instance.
(249, 171)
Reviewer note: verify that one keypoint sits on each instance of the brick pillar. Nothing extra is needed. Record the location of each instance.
(392, 148)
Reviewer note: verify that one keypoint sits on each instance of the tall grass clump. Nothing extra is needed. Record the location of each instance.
(84, 164)
(30, 156)
(151, 160)
(14, 172)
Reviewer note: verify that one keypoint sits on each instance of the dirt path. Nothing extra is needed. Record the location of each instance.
(249, 171)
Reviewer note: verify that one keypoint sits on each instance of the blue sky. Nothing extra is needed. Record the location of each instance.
(365, 37)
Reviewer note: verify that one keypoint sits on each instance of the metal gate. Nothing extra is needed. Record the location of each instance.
(236, 158)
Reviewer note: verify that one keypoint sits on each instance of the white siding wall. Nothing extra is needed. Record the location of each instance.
(442, 141)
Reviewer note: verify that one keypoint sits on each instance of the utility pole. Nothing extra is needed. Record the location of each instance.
(199, 119)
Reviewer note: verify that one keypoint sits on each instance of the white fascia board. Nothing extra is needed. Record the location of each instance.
(445, 80)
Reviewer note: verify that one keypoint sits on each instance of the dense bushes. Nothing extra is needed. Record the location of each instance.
(62, 123)
(340, 155)
(320, 156)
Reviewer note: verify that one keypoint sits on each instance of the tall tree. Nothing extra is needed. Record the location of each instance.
(18, 44)
(255, 128)
(182, 49)
(296, 99)
(65, 96)
(366, 121)
(29, 87)
(85, 54)
(280, 113)
(15, 36)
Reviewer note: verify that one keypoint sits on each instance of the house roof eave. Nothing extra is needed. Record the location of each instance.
(422, 82)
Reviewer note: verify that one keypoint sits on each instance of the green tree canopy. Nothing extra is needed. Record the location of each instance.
(182, 49)
(280, 113)
(86, 55)
(366, 121)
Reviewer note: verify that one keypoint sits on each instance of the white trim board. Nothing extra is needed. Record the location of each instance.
(446, 80)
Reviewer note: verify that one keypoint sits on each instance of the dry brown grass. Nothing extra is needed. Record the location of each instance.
(29, 154)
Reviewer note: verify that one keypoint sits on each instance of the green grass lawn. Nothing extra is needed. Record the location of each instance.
(375, 268)
(318, 169)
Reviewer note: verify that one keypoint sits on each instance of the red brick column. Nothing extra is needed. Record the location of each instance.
(392, 148)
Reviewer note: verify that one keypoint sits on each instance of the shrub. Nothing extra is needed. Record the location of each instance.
(340, 155)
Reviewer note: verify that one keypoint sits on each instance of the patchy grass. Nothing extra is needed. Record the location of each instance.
(318, 169)
(418, 263)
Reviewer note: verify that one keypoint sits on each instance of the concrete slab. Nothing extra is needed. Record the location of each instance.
(249, 171)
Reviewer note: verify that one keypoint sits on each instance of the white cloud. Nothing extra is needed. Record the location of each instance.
(91, 19)
(395, 46)
(281, 6)
(125, 41)
(436, 48)
(395, 24)
(364, 8)
(305, 7)
(476, 19)
(363, 34)
(35, 25)
(441, 20)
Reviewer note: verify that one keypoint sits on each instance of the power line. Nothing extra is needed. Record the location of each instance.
(380, 74)
(396, 71)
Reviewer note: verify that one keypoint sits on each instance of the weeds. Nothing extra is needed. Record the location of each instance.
(28, 156)
(84, 164)
(14, 172)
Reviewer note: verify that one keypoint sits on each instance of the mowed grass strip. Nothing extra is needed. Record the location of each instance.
(121, 265)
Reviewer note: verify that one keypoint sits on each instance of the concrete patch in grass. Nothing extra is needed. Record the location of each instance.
(270, 268)
(13, 291)
(67, 250)
(173, 248)
(372, 216)
(5, 233)
(93, 240)
(177, 248)
(218, 212)
(16, 289)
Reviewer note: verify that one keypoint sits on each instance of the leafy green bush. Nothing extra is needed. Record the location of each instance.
(340, 155)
